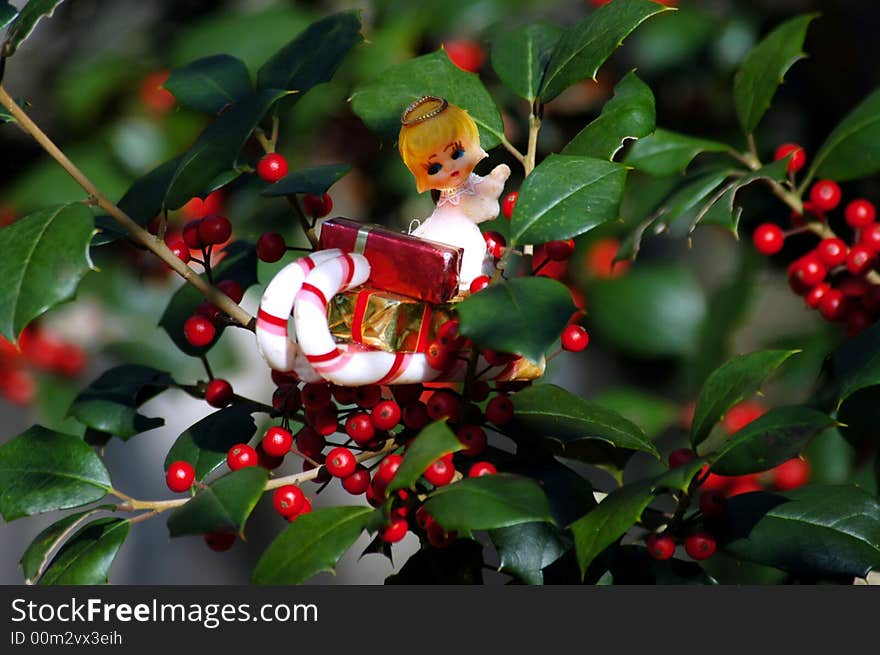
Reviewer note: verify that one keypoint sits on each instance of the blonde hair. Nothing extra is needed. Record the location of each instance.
(429, 124)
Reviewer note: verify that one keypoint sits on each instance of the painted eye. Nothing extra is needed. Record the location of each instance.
(434, 168)
(458, 154)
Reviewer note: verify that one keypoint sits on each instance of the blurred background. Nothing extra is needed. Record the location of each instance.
(92, 76)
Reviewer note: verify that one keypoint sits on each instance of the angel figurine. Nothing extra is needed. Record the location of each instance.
(440, 145)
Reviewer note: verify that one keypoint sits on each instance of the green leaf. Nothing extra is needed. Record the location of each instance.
(218, 147)
(764, 67)
(569, 420)
(86, 558)
(109, 404)
(431, 444)
(6, 116)
(46, 254)
(313, 56)
(653, 414)
(566, 196)
(816, 531)
(535, 310)
(7, 13)
(210, 84)
(854, 366)
(311, 544)
(570, 495)
(525, 549)
(731, 383)
(664, 301)
(852, 150)
(27, 19)
(667, 153)
(460, 563)
(632, 565)
(34, 560)
(379, 103)
(223, 506)
(585, 46)
(630, 114)
(309, 180)
(239, 264)
(680, 205)
(488, 502)
(520, 56)
(775, 437)
(205, 444)
(42, 470)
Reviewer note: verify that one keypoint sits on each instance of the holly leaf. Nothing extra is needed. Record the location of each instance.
(570, 495)
(42, 470)
(764, 67)
(222, 506)
(520, 56)
(431, 444)
(667, 153)
(218, 147)
(460, 563)
(313, 56)
(205, 443)
(46, 254)
(239, 264)
(33, 561)
(380, 103)
(680, 206)
(525, 549)
(632, 565)
(110, 403)
(7, 13)
(312, 543)
(630, 114)
(534, 309)
(316, 180)
(653, 414)
(731, 383)
(86, 558)
(23, 24)
(852, 150)
(855, 365)
(488, 502)
(584, 47)
(211, 83)
(566, 196)
(569, 420)
(815, 531)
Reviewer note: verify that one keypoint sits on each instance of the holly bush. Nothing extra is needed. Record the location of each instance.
(694, 441)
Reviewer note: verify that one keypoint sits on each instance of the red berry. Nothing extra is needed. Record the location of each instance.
(309, 442)
(214, 230)
(317, 206)
(210, 311)
(479, 283)
(825, 195)
(386, 471)
(798, 159)
(808, 271)
(495, 358)
(480, 469)
(871, 299)
(860, 259)
(741, 414)
(508, 203)
(600, 259)
(394, 531)
(360, 427)
(191, 235)
(286, 398)
(443, 403)
(742, 484)
(316, 395)
(368, 396)
(860, 214)
(699, 545)
(180, 250)
(854, 287)
(474, 438)
(712, 504)
(154, 95)
(768, 239)
(241, 456)
(438, 537)
(495, 243)
(325, 420)
(405, 394)
(277, 442)
(833, 305)
(415, 415)
(358, 482)
(440, 357)
(574, 338)
(857, 321)
(559, 251)
(288, 500)
(306, 508)
(232, 289)
(467, 55)
(199, 331)
(499, 410)
(340, 462)
(870, 237)
(832, 252)
(272, 167)
(219, 541)
(180, 476)
(219, 393)
(480, 391)
(267, 461)
(681, 456)
(660, 546)
(271, 247)
(448, 336)
(386, 415)
(342, 395)
(791, 474)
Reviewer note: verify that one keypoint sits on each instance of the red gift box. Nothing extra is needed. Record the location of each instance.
(399, 262)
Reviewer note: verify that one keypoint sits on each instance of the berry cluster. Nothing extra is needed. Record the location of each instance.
(837, 276)
(38, 350)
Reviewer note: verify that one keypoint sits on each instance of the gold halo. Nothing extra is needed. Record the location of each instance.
(439, 105)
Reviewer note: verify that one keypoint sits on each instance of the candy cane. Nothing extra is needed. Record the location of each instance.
(273, 340)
